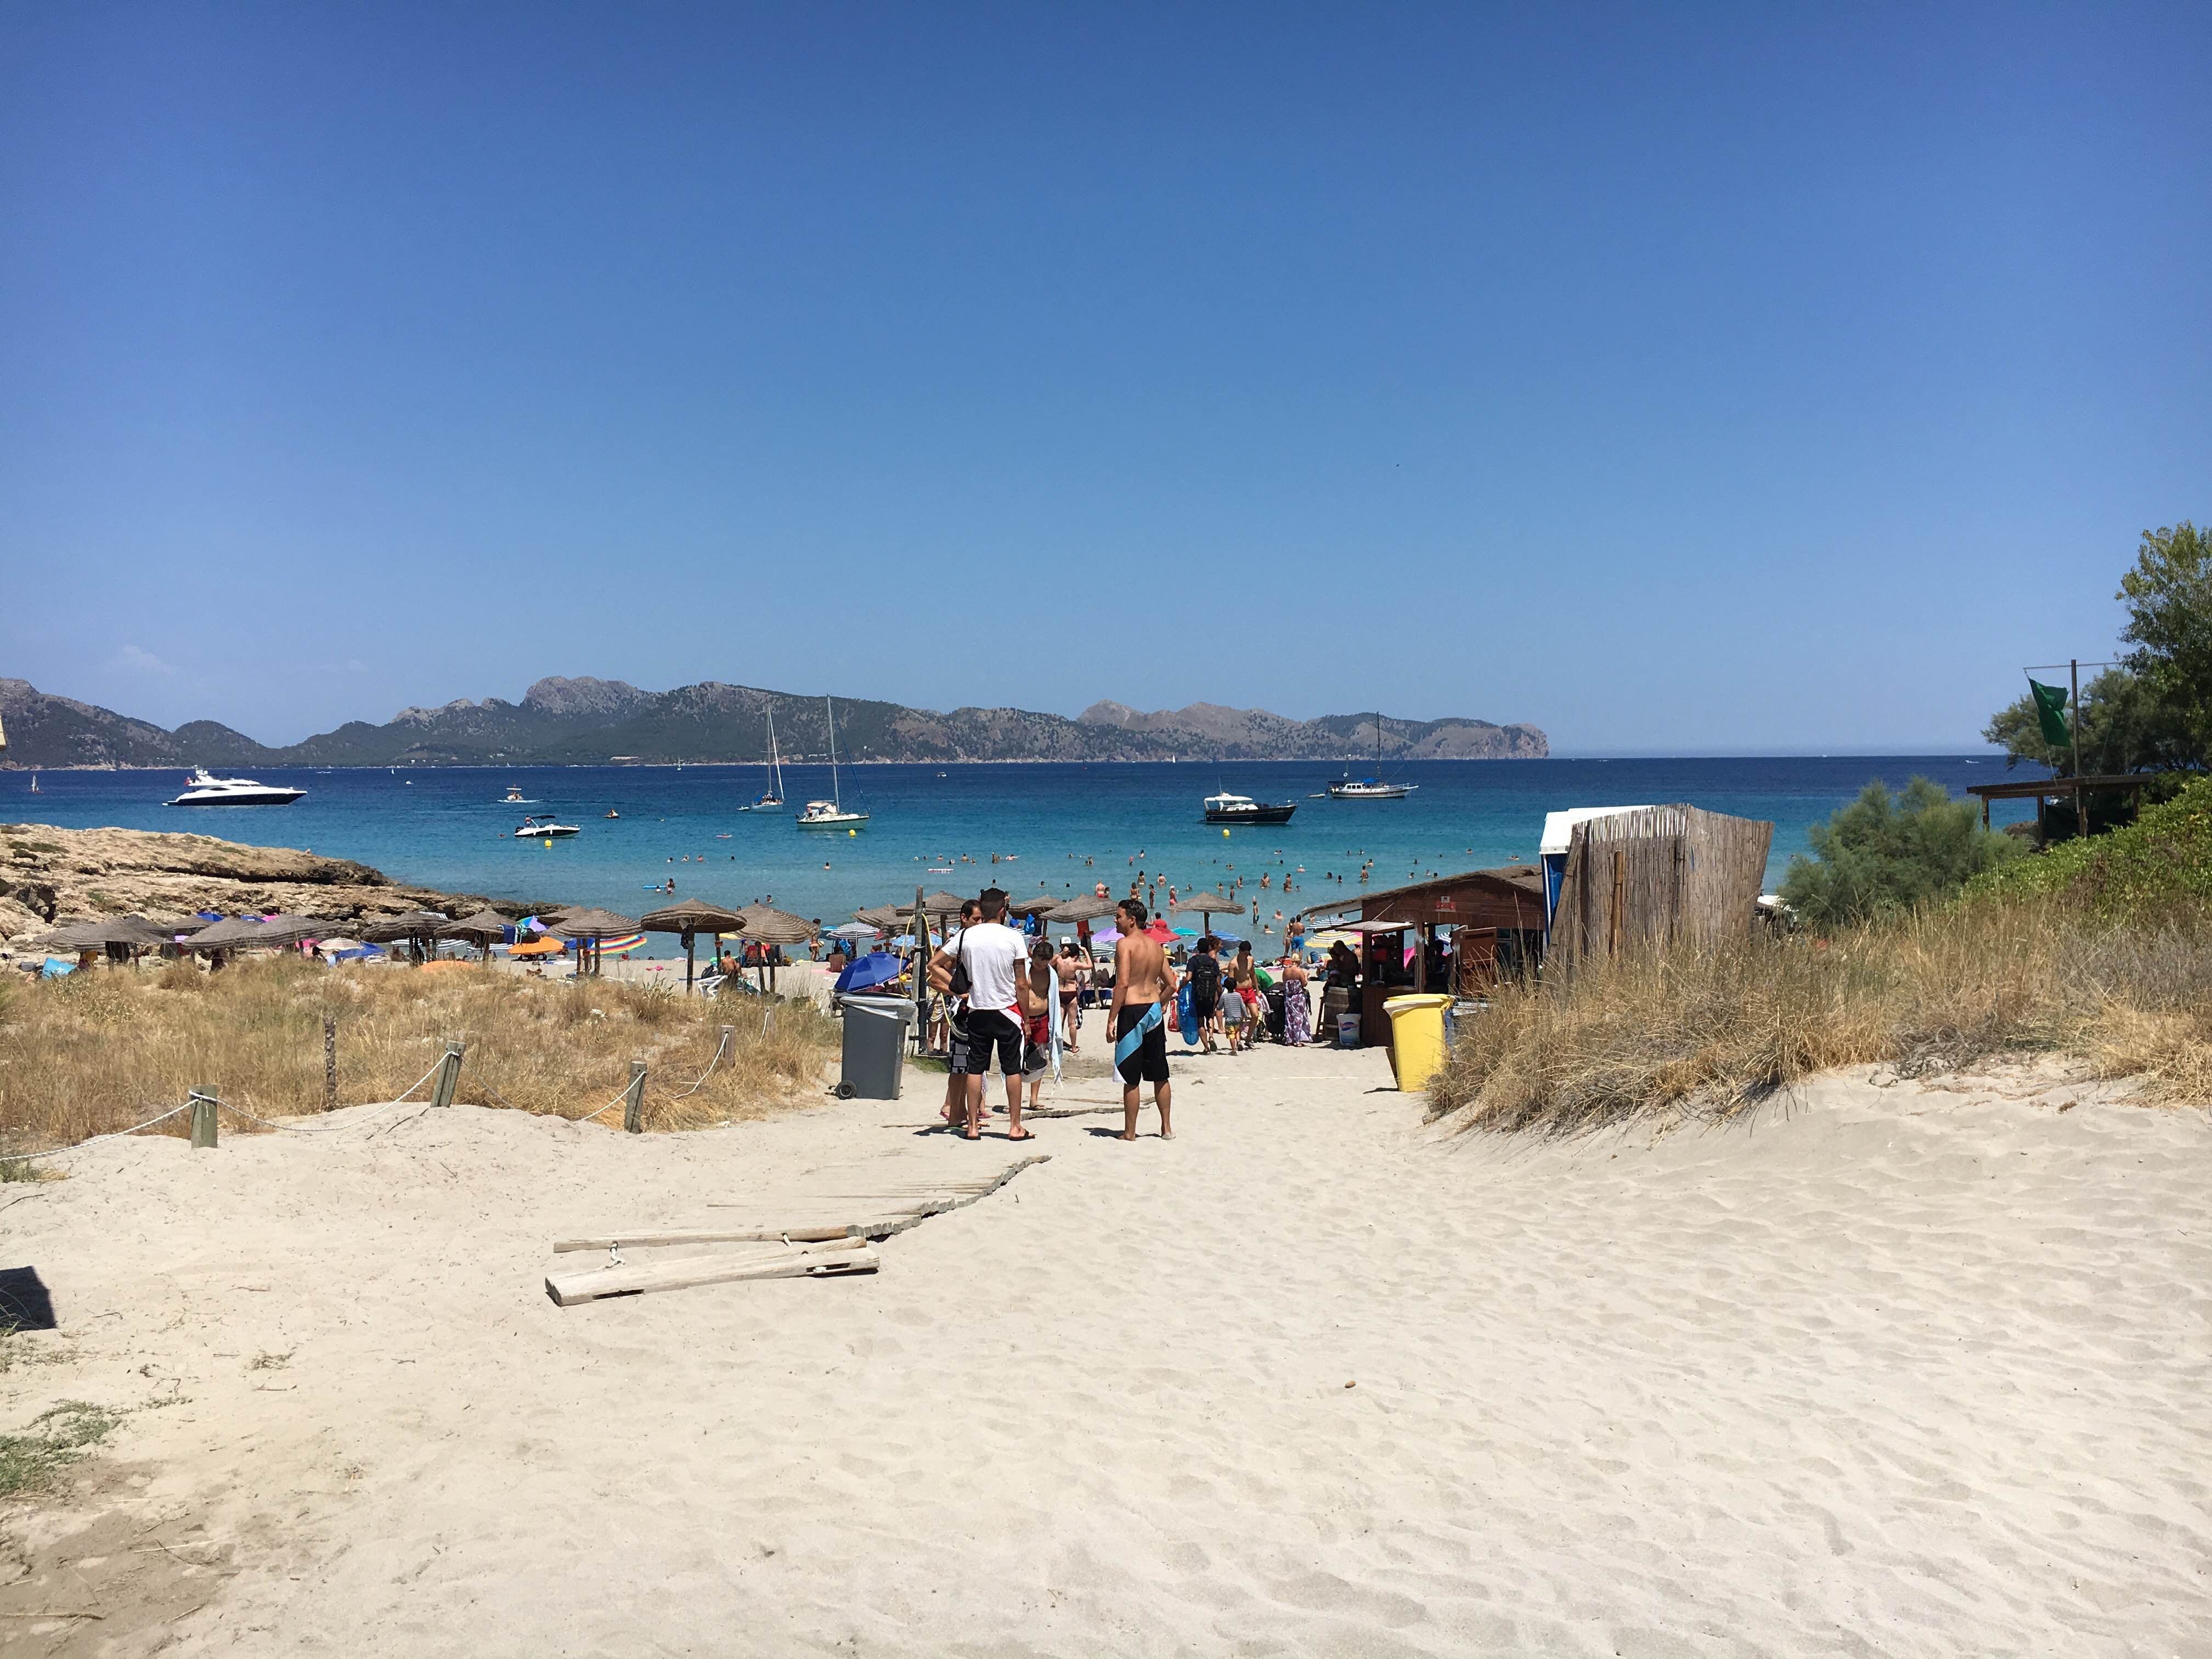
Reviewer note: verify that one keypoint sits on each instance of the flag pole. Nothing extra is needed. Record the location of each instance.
(2073, 730)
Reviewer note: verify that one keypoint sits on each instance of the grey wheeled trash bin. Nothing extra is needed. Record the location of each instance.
(875, 1047)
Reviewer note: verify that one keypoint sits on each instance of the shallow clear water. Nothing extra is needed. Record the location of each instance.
(448, 828)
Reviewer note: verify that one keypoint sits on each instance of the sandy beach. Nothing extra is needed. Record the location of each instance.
(1901, 1369)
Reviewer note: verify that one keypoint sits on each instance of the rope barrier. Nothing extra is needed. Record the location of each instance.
(720, 1048)
(112, 1135)
(512, 1106)
(333, 1128)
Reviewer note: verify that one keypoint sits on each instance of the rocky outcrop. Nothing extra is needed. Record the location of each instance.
(49, 874)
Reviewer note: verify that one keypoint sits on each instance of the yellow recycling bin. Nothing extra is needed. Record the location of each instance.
(1417, 1039)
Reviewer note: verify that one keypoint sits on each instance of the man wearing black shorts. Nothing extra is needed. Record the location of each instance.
(1144, 990)
(988, 956)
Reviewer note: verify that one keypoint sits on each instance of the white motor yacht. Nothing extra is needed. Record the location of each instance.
(202, 788)
(544, 826)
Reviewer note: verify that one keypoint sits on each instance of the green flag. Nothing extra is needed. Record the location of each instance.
(2051, 713)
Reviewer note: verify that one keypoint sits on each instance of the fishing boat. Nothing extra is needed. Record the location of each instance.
(202, 788)
(772, 799)
(1226, 808)
(831, 814)
(1370, 788)
(544, 826)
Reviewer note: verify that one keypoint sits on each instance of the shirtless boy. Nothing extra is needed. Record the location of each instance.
(1144, 987)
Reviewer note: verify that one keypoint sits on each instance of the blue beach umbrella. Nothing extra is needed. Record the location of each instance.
(877, 968)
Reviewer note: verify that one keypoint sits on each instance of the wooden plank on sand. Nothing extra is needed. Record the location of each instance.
(810, 1218)
(642, 1277)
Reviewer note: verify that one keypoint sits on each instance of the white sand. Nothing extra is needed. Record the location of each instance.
(1911, 1371)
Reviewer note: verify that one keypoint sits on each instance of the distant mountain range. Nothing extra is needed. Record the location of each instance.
(592, 722)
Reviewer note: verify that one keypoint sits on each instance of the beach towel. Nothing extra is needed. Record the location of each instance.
(1126, 1047)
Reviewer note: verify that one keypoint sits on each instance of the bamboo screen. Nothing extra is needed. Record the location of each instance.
(1658, 876)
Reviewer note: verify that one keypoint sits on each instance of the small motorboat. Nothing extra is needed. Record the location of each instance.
(202, 788)
(1242, 809)
(612, 813)
(544, 826)
(515, 796)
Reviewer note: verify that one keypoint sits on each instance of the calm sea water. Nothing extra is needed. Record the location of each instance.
(1064, 826)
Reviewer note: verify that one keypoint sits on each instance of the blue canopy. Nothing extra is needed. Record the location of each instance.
(877, 968)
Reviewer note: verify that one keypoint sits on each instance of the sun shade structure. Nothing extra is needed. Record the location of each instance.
(1083, 907)
(1040, 905)
(767, 926)
(690, 918)
(414, 926)
(586, 927)
(486, 927)
(246, 934)
(99, 934)
(881, 918)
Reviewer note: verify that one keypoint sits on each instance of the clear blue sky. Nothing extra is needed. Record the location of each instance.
(1686, 378)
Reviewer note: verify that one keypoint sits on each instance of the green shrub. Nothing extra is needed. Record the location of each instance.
(2163, 856)
(1886, 852)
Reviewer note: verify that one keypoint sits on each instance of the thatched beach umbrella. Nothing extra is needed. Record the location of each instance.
(1207, 906)
(883, 918)
(485, 928)
(691, 917)
(768, 925)
(591, 925)
(414, 926)
(106, 933)
(255, 933)
(1083, 909)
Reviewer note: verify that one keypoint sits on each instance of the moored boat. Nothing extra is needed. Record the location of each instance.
(202, 788)
(544, 826)
(1226, 808)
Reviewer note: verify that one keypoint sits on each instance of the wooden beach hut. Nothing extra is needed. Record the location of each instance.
(2080, 791)
(1496, 922)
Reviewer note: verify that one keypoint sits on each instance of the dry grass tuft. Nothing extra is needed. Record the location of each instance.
(104, 1049)
(1706, 1033)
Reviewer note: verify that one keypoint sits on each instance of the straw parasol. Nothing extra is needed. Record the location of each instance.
(1083, 907)
(413, 926)
(1038, 906)
(882, 918)
(100, 932)
(770, 926)
(485, 928)
(590, 924)
(246, 934)
(1209, 905)
(691, 917)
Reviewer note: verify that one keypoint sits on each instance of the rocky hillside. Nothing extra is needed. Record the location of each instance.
(591, 721)
(1254, 733)
(49, 875)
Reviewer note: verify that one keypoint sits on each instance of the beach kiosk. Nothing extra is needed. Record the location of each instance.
(1495, 920)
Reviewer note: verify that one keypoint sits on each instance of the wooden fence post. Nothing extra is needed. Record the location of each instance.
(728, 1047)
(634, 1099)
(203, 1110)
(449, 1073)
(330, 1064)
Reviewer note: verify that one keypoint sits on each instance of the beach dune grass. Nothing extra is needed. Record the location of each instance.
(1705, 1033)
(107, 1047)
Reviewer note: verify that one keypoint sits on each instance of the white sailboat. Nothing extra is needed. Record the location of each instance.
(1370, 788)
(774, 796)
(831, 814)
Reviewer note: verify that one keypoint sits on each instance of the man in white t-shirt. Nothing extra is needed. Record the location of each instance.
(989, 955)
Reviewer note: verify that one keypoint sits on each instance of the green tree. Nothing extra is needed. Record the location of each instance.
(1885, 851)
(2123, 725)
(2169, 599)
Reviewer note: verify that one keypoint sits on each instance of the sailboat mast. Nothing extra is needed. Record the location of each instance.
(830, 714)
(774, 760)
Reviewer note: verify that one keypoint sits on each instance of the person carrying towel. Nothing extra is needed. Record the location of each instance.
(1144, 989)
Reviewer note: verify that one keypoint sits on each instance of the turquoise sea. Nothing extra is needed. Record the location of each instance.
(1061, 826)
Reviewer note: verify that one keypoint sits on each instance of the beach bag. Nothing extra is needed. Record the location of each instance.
(962, 984)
